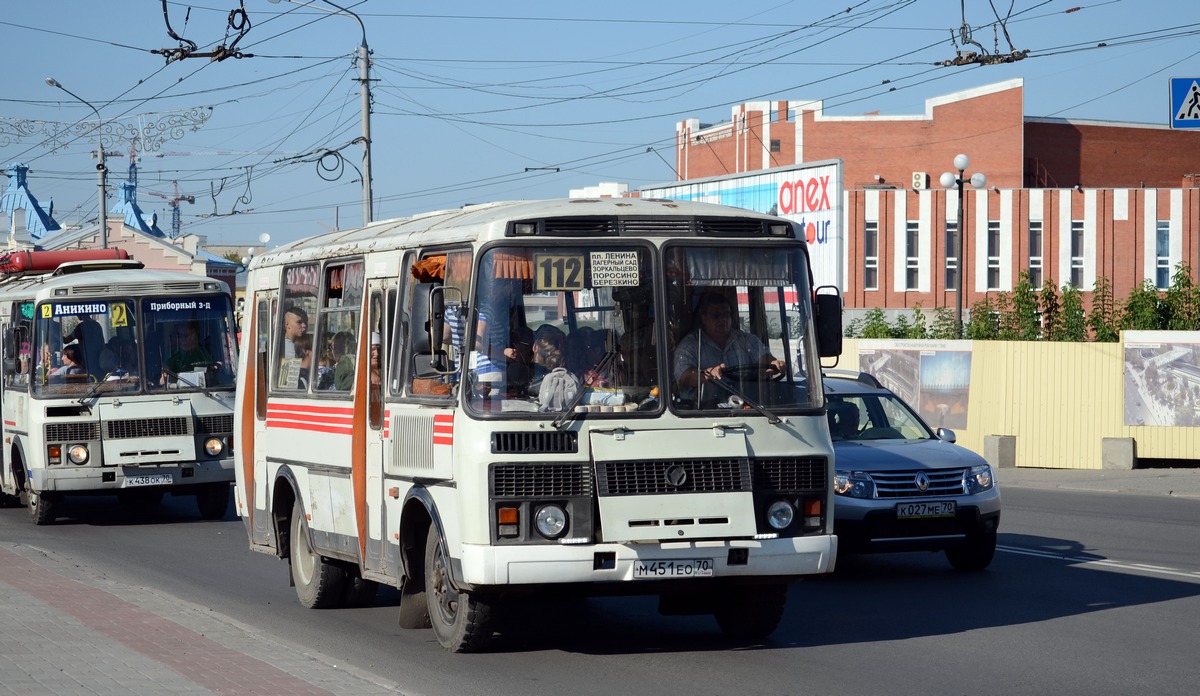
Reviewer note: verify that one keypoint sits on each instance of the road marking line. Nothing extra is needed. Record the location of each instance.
(1104, 563)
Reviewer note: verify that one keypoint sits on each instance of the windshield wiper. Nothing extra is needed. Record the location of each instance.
(771, 417)
(190, 383)
(561, 420)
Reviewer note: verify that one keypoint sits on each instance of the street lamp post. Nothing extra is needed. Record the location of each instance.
(949, 180)
(364, 76)
(101, 168)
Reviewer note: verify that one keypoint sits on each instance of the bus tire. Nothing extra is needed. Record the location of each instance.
(462, 621)
(42, 507)
(213, 501)
(750, 612)
(318, 581)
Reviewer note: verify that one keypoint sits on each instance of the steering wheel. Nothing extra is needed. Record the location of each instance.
(750, 373)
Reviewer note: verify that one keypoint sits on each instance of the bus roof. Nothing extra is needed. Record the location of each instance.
(100, 283)
(485, 221)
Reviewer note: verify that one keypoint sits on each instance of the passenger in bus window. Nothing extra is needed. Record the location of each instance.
(343, 350)
(72, 362)
(376, 376)
(548, 345)
(303, 345)
(295, 323)
(190, 354)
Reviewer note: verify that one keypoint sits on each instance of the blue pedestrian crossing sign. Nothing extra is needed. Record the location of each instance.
(1185, 102)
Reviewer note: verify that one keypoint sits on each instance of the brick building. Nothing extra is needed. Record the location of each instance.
(1066, 200)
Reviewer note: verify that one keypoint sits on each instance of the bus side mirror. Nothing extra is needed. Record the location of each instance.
(10, 367)
(426, 328)
(827, 317)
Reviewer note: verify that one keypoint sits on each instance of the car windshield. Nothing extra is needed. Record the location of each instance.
(880, 416)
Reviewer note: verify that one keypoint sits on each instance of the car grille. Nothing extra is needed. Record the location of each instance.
(540, 480)
(215, 425)
(790, 475)
(559, 442)
(903, 484)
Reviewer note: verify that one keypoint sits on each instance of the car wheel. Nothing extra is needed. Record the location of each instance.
(42, 507)
(750, 612)
(975, 553)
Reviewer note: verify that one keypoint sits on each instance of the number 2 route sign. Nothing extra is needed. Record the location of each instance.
(1185, 102)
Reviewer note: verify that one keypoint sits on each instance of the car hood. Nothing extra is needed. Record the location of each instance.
(898, 455)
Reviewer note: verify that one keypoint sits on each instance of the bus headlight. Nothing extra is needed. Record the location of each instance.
(78, 454)
(550, 521)
(213, 446)
(780, 514)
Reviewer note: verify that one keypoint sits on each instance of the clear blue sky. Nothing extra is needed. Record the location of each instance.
(468, 95)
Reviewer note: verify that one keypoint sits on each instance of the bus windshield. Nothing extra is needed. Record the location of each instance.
(741, 337)
(561, 327)
(125, 345)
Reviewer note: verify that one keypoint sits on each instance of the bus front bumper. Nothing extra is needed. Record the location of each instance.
(68, 478)
(785, 559)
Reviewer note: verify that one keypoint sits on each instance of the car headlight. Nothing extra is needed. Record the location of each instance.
(214, 446)
(78, 454)
(979, 479)
(855, 484)
(551, 521)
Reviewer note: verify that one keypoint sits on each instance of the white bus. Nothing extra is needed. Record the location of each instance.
(116, 380)
(478, 404)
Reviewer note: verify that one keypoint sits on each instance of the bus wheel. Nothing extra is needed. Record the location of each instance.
(41, 506)
(213, 501)
(750, 612)
(461, 620)
(318, 582)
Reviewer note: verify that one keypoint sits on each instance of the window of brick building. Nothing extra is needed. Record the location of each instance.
(993, 254)
(1077, 253)
(775, 146)
(1035, 254)
(912, 259)
(1162, 254)
(952, 255)
(871, 255)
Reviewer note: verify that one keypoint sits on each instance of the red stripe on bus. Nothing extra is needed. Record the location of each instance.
(309, 427)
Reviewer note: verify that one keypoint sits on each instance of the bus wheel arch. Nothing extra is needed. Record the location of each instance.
(284, 495)
(416, 519)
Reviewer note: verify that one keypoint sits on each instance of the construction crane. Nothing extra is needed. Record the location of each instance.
(175, 200)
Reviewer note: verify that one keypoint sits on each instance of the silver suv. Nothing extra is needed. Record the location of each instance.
(902, 487)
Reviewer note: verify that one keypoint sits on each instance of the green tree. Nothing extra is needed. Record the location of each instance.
(1023, 321)
(1143, 310)
(917, 328)
(1102, 320)
(875, 325)
(1051, 311)
(944, 326)
(984, 324)
(1074, 324)
(1182, 301)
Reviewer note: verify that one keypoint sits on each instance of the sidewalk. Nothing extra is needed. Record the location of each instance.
(65, 632)
(1174, 482)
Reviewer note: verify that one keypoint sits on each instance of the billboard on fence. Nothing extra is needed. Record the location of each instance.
(934, 377)
(808, 194)
(1162, 377)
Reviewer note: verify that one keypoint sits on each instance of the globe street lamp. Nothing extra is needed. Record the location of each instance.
(948, 180)
(101, 169)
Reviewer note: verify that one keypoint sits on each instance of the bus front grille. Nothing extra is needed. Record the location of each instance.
(72, 432)
(793, 474)
(215, 425)
(648, 477)
(559, 442)
(540, 480)
(148, 427)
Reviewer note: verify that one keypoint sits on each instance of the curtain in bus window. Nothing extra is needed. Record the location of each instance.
(514, 266)
(732, 266)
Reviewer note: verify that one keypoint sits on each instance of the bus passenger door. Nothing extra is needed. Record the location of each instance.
(377, 432)
(253, 436)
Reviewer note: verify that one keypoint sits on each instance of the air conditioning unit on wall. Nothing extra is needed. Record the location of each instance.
(919, 181)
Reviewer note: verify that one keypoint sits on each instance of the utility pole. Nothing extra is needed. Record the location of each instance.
(101, 167)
